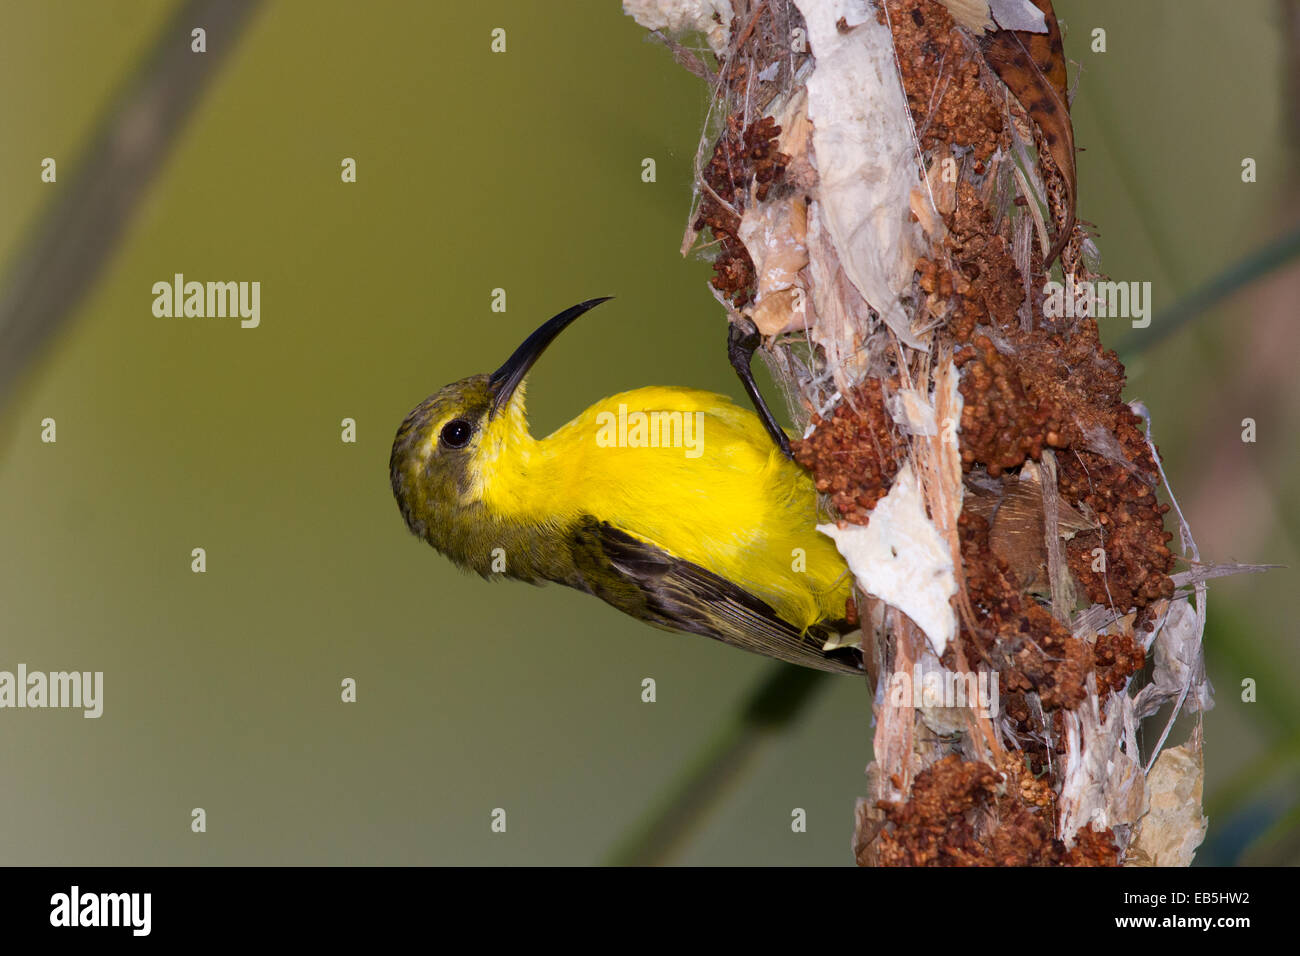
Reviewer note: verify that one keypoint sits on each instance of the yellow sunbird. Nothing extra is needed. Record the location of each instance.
(674, 505)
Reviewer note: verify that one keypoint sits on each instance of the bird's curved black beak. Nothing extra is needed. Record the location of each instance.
(506, 379)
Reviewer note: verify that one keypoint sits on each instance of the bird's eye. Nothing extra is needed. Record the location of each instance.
(455, 434)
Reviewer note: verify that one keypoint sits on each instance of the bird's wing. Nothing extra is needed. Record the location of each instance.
(653, 585)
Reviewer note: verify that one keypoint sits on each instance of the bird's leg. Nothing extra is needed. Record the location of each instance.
(742, 339)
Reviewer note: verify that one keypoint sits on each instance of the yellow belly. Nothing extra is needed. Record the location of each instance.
(695, 475)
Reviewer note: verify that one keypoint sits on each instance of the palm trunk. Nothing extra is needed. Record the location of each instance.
(884, 197)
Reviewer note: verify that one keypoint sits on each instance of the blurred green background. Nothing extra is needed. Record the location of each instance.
(521, 171)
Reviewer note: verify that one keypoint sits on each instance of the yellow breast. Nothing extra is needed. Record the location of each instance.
(687, 471)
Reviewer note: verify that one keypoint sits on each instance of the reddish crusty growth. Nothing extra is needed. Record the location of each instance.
(854, 454)
(935, 826)
(960, 111)
(1000, 425)
(742, 155)
(1031, 384)
(1041, 403)
(1019, 637)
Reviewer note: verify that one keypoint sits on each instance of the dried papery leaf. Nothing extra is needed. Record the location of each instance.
(1179, 664)
(1204, 572)
(1014, 509)
(938, 457)
(925, 211)
(1101, 618)
(936, 197)
(1032, 65)
(842, 318)
(1022, 246)
(1174, 826)
(947, 410)
(1016, 534)
(931, 421)
(710, 17)
(971, 14)
(795, 143)
(1061, 585)
(902, 559)
(1191, 551)
(774, 233)
(862, 141)
(1035, 215)
(1018, 15)
(1102, 783)
(1069, 521)
(912, 412)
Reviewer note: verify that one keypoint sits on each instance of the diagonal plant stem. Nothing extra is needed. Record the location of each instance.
(69, 245)
(783, 693)
(1271, 256)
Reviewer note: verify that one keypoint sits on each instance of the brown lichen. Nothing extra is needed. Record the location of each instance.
(855, 454)
(1072, 374)
(990, 585)
(1031, 650)
(941, 77)
(936, 824)
(987, 286)
(744, 155)
(1092, 848)
(1046, 658)
(933, 826)
(1119, 657)
(1001, 425)
(1063, 389)
(1133, 569)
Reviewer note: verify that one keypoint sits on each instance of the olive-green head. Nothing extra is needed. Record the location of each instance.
(446, 447)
